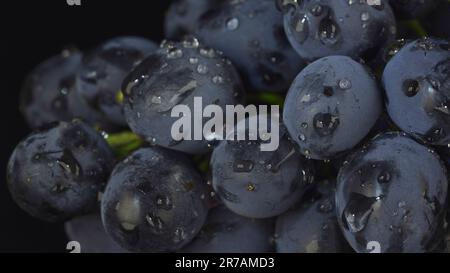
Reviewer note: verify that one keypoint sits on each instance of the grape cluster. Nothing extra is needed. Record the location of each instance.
(363, 139)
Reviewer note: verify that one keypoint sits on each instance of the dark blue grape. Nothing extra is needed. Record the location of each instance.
(182, 16)
(313, 227)
(330, 27)
(446, 248)
(57, 172)
(417, 84)
(89, 232)
(103, 70)
(392, 191)
(48, 94)
(251, 34)
(154, 201)
(259, 184)
(174, 75)
(331, 106)
(226, 232)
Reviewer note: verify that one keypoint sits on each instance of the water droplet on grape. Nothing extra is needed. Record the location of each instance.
(411, 87)
(202, 69)
(155, 223)
(384, 177)
(174, 53)
(345, 84)
(328, 31)
(357, 212)
(217, 79)
(232, 23)
(243, 166)
(325, 123)
(365, 16)
(193, 60)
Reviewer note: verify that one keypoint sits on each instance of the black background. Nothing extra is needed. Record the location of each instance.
(32, 31)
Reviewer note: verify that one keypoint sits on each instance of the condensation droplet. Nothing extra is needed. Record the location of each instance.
(174, 53)
(193, 60)
(202, 69)
(232, 23)
(345, 84)
(365, 16)
(217, 79)
(156, 99)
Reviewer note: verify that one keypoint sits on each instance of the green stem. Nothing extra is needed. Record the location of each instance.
(266, 98)
(202, 162)
(124, 143)
(417, 27)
